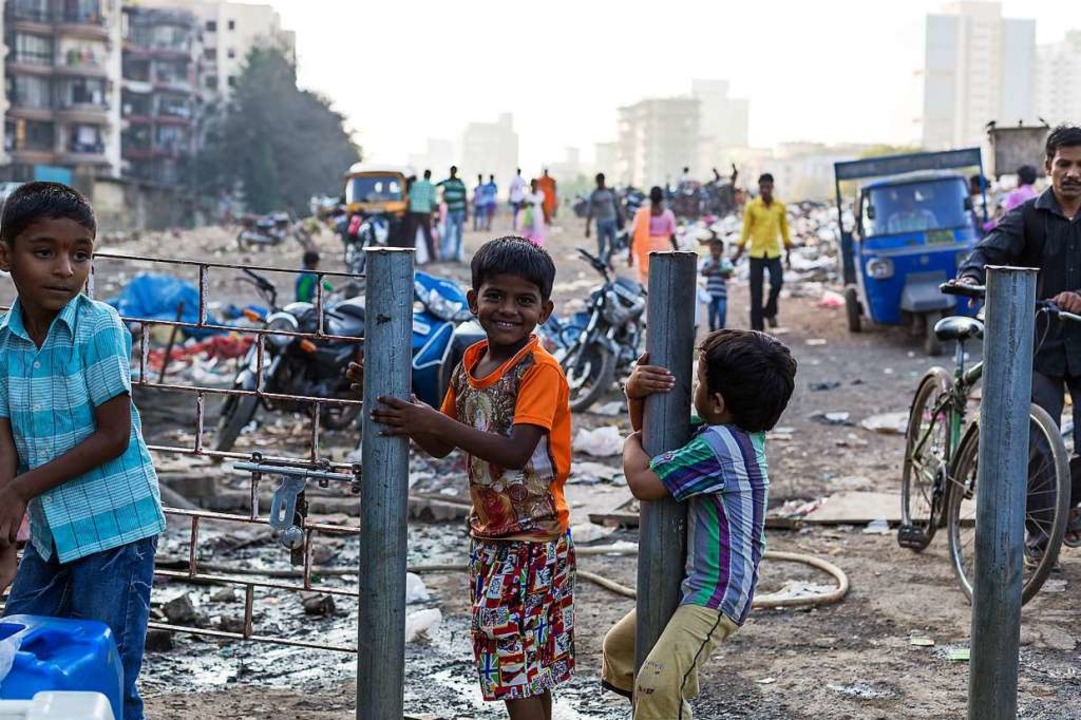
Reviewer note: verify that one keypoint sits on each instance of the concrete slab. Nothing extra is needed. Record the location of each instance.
(856, 508)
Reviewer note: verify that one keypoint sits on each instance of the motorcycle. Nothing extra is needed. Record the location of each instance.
(265, 230)
(295, 365)
(364, 231)
(594, 345)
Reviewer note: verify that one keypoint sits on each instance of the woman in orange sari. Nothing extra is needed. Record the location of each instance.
(654, 229)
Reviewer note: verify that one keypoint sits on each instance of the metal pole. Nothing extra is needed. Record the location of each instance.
(385, 488)
(662, 534)
(1002, 489)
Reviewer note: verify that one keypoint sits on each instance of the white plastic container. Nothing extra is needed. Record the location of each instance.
(58, 706)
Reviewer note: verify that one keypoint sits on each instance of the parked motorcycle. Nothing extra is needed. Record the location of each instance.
(594, 345)
(294, 365)
(261, 231)
(363, 232)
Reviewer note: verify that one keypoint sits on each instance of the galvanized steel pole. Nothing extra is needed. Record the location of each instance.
(1002, 487)
(662, 534)
(385, 488)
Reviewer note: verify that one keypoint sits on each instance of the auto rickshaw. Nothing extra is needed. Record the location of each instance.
(376, 203)
(914, 224)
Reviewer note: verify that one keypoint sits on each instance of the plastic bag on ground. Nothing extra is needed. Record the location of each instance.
(603, 442)
(420, 625)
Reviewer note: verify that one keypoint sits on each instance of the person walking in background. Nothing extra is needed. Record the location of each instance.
(763, 221)
(516, 196)
(1026, 178)
(491, 198)
(533, 217)
(603, 207)
(478, 203)
(421, 205)
(716, 269)
(654, 229)
(551, 200)
(454, 197)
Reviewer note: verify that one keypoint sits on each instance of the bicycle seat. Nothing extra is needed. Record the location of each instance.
(958, 328)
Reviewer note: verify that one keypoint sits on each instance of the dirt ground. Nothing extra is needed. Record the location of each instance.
(851, 660)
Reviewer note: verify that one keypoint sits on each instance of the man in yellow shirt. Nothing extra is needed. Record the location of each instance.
(763, 220)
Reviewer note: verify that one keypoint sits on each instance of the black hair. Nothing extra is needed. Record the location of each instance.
(1026, 175)
(1062, 136)
(491, 178)
(656, 195)
(599, 178)
(311, 257)
(765, 177)
(513, 255)
(753, 372)
(427, 174)
(453, 169)
(979, 181)
(36, 201)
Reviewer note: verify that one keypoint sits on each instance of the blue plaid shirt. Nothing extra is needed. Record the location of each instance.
(49, 395)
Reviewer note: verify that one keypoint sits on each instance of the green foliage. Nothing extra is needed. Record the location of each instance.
(279, 144)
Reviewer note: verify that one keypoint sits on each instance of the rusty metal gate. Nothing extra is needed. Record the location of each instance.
(287, 517)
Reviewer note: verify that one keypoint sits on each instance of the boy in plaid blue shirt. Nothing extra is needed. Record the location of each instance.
(71, 447)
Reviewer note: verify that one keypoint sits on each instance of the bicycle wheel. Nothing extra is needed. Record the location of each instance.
(1045, 512)
(925, 476)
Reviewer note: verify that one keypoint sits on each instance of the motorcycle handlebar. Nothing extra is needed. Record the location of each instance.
(976, 292)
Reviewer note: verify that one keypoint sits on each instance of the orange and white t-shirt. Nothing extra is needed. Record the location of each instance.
(528, 389)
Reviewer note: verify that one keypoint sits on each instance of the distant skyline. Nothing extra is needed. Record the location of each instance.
(830, 71)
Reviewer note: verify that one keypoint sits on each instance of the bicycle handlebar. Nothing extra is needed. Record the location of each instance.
(978, 292)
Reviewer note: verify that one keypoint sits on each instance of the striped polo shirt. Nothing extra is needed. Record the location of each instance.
(49, 394)
(454, 194)
(721, 473)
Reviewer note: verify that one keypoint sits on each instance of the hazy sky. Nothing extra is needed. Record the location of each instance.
(826, 70)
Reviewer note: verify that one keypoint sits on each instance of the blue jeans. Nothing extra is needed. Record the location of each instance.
(606, 238)
(718, 312)
(112, 587)
(452, 238)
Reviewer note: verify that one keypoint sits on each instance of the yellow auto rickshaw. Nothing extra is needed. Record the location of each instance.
(377, 189)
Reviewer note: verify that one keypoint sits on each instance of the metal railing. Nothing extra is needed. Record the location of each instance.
(288, 514)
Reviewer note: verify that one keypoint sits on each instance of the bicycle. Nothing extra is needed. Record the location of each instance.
(938, 481)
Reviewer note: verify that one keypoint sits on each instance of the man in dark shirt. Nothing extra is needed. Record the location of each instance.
(1045, 233)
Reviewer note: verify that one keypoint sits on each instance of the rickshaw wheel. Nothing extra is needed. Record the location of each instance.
(852, 309)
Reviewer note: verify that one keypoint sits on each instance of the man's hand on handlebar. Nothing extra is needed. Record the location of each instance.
(1068, 301)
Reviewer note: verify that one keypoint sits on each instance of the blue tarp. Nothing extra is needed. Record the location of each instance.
(156, 297)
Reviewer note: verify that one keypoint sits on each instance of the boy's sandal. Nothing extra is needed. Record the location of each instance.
(1072, 537)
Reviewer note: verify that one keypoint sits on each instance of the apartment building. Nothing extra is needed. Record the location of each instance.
(62, 73)
(159, 95)
(657, 138)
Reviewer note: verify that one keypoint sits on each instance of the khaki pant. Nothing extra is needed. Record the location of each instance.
(669, 676)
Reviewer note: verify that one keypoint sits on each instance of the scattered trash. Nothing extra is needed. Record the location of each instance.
(893, 423)
(766, 681)
(158, 640)
(1057, 639)
(861, 690)
(831, 418)
(958, 655)
(921, 641)
(823, 386)
(317, 604)
(590, 473)
(415, 589)
(421, 625)
(603, 442)
(225, 595)
(793, 589)
(831, 299)
(611, 409)
(878, 526)
(588, 532)
(180, 610)
(816, 342)
(1055, 585)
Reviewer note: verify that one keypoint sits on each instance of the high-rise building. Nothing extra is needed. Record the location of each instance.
(979, 68)
(62, 79)
(606, 160)
(489, 148)
(230, 30)
(658, 137)
(723, 121)
(159, 100)
(1058, 80)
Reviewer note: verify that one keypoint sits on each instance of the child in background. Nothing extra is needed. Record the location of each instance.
(306, 281)
(533, 221)
(71, 444)
(508, 408)
(744, 382)
(716, 269)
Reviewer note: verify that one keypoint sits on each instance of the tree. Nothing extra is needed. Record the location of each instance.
(279, 143)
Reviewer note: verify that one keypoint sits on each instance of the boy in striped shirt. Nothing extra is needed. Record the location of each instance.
(745, 380)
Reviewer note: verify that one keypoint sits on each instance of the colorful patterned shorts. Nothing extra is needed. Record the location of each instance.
(523, 615)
